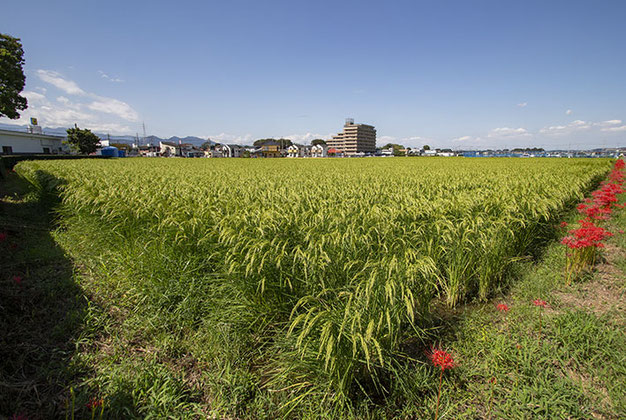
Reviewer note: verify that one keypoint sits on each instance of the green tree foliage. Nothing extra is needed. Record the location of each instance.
(398, 149)
(426, 147)
(318, 141)
(206, 145)
(282, 142)
(82, 140)
(12, 77)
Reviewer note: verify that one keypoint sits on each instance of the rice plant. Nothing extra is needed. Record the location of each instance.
(324, 266)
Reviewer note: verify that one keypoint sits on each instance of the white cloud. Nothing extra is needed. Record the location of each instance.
(231, 138)
(109, 78)
(386, 139)
(559, 130)
(463, 139)
(522, 104)
(568, 112)
(608, 123)
(33, 97)
(55, 79)
(115, 107)
(614, 129)
(87, 109)
(307, 137)
(508, 132)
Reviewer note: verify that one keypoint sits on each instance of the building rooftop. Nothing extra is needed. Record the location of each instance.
(31, 135)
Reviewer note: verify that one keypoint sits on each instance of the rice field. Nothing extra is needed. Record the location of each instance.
(311, 275)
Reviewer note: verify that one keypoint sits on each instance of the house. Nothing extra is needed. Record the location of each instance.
(232, 150)
(18, 142)
(149, 150)
(319, 150)
(219, 150)
(189, 150)
(298, 150)
(270, 149)
(168, 149)
(293, 151)
(388, 151)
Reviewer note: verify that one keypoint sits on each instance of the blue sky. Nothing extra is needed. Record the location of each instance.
(457, 74)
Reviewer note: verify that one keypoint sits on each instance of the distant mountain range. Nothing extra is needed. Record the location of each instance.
(61, 131)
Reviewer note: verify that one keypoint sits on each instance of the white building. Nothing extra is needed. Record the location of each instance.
(319, 150)
(299, 150)
(168, 149)
(18, 142)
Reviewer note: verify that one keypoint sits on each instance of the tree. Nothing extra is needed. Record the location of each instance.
(261, 142)
(426, 147)
(282, 142)
(206, 145)
(318, 141)
(83, 140)
(12, 77)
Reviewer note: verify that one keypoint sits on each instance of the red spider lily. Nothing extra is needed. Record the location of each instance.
(19, 417)
(539, 302)
(502, 307)
(563, 224)
(620, 231)
(94, 403)
(3, 236)
(17, 280)
(585, 240)
(13, 246)
(442, 359)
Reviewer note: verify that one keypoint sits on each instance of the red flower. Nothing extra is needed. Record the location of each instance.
(442, 359)
(19, 417)
(502, 307)
(539, 302)
(563, 224)
(94, 403)
(3, 236)
(17, 280)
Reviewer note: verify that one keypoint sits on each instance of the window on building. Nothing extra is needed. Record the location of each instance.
(7, 150)
(46, 150)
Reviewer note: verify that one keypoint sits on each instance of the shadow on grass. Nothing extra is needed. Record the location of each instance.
(42, 309)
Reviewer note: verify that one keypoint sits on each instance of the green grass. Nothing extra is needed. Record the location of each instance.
(152, 343)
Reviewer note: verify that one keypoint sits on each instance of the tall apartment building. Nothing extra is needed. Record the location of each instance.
(355, 138)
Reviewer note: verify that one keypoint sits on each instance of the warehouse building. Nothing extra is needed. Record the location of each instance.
(22, 142)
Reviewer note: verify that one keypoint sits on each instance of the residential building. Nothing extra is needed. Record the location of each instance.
(19, 142)
(149, 150)
(270, 149)
(355, 139)
(299, 150)
(168, 149)
(232, 150)
(319, 150)
(190, 151)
